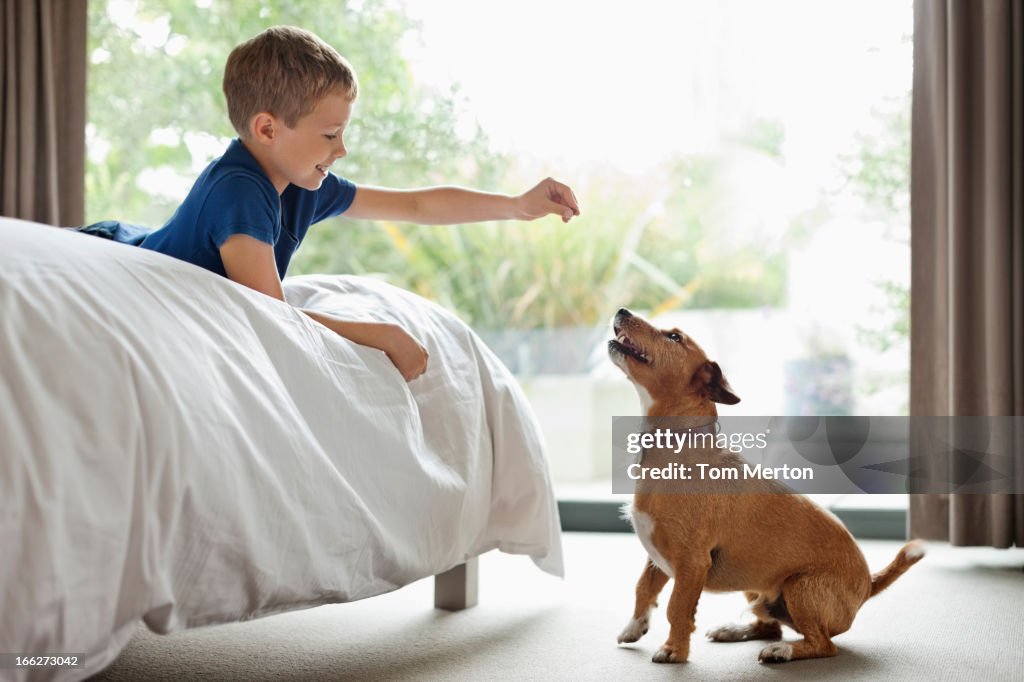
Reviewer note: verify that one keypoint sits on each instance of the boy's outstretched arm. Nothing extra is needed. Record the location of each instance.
(249, 261)
(451, 205)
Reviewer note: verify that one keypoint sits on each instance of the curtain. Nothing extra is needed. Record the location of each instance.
(967, 244)
(42, 118)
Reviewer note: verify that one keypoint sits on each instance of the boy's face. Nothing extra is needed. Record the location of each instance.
(302, 155)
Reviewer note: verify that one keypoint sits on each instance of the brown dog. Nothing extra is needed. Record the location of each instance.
(796, 564)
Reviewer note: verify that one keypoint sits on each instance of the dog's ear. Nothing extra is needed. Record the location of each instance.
(715, 386)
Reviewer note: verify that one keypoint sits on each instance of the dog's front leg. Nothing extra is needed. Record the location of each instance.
(651, 582)
(691, 573)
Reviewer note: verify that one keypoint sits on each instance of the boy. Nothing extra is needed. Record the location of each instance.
(290, 98)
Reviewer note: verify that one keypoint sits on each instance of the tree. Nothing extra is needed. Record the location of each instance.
(156, 107)
(880, 172)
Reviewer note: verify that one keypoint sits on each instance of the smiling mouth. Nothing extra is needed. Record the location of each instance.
(624, 345)
(322, 169)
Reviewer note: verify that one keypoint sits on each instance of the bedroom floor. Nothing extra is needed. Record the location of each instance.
(956, 615)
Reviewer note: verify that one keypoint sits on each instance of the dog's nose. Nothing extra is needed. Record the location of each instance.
(624, 313)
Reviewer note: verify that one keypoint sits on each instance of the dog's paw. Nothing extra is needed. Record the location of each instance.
(634, 630)
(729, 633)
(780, 652)
(667, 654)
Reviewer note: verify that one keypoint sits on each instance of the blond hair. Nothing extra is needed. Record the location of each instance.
(284, 71)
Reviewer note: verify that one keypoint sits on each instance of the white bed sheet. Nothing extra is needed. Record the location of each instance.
(177, 448)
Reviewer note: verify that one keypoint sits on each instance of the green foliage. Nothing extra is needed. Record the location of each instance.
(896, 328)
(765, 135)
(401, 133)
(548, 274)
(155, 103)
(496, 275)
(880, 170)
(683, 245)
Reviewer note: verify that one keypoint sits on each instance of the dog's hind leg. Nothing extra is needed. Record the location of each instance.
(816, 613)
(651, 582)
(765, 627)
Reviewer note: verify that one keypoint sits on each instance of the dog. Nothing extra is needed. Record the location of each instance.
(796, 563)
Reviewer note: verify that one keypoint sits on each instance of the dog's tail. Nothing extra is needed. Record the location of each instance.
(909, 554)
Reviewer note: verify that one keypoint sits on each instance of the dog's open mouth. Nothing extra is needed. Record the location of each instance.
(624, 345)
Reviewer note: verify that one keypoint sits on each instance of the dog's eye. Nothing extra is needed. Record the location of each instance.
(675, 336)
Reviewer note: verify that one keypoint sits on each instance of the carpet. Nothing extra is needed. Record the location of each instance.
(957, 615)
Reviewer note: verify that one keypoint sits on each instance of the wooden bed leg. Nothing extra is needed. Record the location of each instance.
(456, 589)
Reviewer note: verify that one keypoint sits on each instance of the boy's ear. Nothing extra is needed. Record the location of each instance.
(713, 385)
(263, 127)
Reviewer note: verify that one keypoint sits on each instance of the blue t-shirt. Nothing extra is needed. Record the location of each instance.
(234, 196)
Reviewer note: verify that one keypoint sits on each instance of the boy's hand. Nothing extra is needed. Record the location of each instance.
(405, 352)
(549, 196)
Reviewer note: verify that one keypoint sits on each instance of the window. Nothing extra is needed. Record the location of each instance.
(742, 167)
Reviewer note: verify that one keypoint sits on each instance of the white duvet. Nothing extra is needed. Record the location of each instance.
(179, 449)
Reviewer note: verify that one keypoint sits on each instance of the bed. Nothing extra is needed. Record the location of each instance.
(180, 450)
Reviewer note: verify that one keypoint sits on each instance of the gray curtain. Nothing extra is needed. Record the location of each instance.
(42, 119)
(967, 243)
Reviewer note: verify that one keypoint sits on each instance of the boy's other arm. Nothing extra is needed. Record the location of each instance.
(452, 205)
(250, 262)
